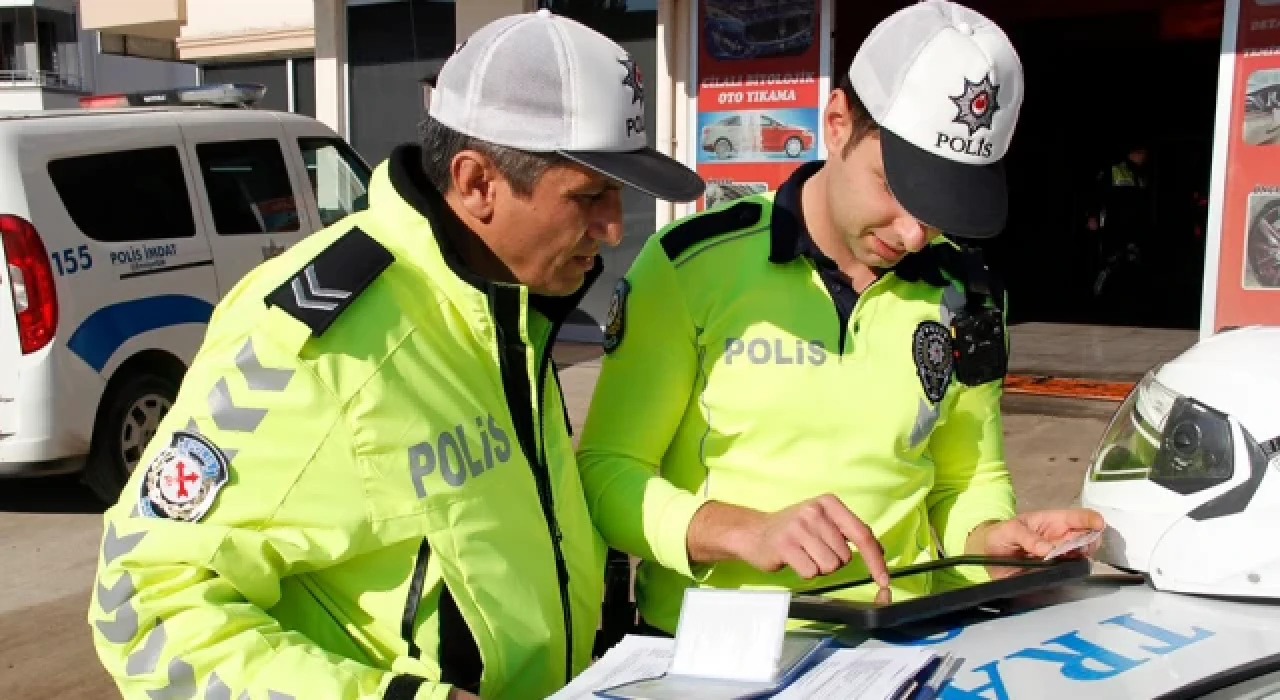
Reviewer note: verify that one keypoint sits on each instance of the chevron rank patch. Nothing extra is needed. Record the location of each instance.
(183, 479)
(326, 286)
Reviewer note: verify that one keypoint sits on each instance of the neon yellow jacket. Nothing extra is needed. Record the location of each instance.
(392, 430)
(726, 381)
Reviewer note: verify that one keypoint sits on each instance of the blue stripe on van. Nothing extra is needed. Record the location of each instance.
(106, 329)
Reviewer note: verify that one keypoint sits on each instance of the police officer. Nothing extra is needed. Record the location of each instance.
(1121, 217)
(797, 371)
(366, 487)
(1121, 200)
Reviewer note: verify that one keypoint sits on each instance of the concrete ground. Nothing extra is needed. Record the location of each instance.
(50, 528)
(1095, 352)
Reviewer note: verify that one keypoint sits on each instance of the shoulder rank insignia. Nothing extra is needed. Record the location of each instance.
(617, 321)
(183, 479)
(322, 290)
(702, 227)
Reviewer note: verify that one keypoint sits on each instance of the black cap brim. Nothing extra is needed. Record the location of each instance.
(647, 170)
(967, 201)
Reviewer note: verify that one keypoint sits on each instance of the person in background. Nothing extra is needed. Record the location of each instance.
(1121, 217)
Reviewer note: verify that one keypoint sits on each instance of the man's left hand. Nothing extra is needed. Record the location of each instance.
(1034, 535)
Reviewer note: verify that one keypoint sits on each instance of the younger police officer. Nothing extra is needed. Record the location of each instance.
(779, 364)
(366, 487)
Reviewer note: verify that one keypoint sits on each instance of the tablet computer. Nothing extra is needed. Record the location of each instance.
(1032, 575)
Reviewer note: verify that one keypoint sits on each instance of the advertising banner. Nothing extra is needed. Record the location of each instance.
(1242, 267)
(760, 68)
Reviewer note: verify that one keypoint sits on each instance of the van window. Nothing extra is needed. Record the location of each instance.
(130, 195)
(248, 187)
(339, 178)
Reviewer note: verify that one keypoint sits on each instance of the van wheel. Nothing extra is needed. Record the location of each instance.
(128, 421)
(794, 147)
(724, 149)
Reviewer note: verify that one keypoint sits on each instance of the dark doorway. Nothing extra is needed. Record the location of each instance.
(1098, 74)
(392, 47)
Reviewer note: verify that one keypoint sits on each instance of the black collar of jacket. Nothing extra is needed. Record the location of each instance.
(411, 183)
(790, 237)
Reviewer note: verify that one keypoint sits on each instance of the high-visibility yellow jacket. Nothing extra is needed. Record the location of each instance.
(729, 377)
(401, 512)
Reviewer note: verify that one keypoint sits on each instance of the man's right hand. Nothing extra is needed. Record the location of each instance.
(812, 537)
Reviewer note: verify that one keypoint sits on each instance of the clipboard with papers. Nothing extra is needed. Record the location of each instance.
(733, 644)
(894, 673)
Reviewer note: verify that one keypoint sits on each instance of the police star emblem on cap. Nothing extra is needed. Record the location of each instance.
(977, 105)
(634, 79)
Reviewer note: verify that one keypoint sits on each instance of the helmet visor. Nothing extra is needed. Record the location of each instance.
(1166, 438)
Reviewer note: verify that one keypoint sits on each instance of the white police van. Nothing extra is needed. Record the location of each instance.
(122, 223)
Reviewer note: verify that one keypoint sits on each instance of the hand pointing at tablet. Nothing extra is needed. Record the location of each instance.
(813, 537)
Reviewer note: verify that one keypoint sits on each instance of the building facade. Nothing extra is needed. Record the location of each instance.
(736, 88)
(48, 62)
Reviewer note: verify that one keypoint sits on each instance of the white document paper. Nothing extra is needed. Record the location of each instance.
(731, 634)
(869, 674)
(1077, 542)
(631, 659)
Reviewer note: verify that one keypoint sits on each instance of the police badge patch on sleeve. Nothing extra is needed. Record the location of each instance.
(617, 321)
(183, 480)
(931, 348)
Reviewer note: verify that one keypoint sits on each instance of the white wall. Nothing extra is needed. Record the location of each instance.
(212, 17)
(29, 99)
(21, 99)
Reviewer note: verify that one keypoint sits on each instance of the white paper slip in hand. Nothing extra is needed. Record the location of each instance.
(1077, 542)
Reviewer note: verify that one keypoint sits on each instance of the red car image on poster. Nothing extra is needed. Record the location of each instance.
(755, 133)
(760, 89)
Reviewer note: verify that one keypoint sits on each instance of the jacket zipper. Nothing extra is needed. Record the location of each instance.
(506, 308)
(415, 598)
(548, 505)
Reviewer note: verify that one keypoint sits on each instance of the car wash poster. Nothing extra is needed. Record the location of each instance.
(1242, 275)
(761, 68)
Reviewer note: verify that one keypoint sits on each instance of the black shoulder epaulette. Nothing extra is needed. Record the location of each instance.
(697, 229)
(936, 263)
(322, 290)
(923, 266)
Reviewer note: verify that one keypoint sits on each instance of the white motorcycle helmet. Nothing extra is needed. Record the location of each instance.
(1187, 474)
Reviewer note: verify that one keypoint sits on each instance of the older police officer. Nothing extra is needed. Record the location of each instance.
(801, 370)
(366, 487)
